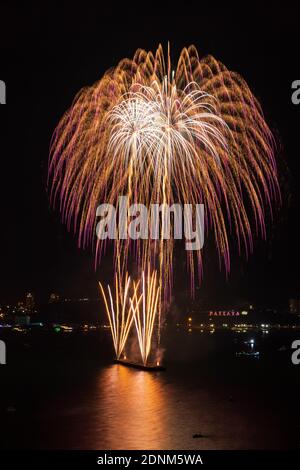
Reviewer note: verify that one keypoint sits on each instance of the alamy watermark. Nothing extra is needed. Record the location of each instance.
(138, 222)
(2, 92)
(2, 352)
(296, 354)
(296, 94)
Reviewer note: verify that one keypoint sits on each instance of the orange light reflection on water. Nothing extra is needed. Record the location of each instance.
(133, 406)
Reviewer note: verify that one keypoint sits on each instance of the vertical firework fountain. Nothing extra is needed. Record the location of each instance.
(144, 312)
(119, 316)
(192, 135)
(141, 308)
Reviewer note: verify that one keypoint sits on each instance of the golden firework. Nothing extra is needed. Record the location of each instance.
(192, 134)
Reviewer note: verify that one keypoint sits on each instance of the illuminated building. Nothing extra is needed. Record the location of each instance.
(29, 303)
(53, 298)
(294, 305)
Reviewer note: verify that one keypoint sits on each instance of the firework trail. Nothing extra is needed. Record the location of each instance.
(145, 310)
(192, 135)
(119, 315)
(142, 307)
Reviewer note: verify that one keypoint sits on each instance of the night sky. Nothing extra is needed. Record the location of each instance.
(47, 56)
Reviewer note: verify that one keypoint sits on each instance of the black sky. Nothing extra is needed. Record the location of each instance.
(47, 56)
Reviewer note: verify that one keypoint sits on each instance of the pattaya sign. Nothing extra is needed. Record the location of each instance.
(223, 313)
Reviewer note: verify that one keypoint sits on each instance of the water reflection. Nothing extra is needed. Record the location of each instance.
(233, 402)
(130, 409)
(136, 399)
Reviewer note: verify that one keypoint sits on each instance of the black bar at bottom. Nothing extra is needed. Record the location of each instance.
(134, 458)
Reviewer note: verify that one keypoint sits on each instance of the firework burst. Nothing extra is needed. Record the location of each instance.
(193, 134)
